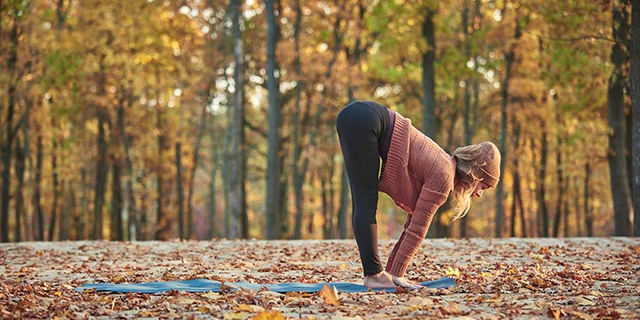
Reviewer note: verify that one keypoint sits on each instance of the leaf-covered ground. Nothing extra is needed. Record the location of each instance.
(593, 278)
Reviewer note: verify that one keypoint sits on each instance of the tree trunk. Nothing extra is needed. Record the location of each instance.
(588, 210)
(273, 158)
(576, 204)
(635, 97)
(344, 204)
(116, 226)
(212, 199)
(561, 189)
(516, 184)
(226, 175)
(469, 116)
(236, 171)
(143, 229)
(101, 175)
(192, 173)
(327, 209)
(82, 226)
(543, 213)
(162, 221)
(36, 200)
(56, 184)
(509, 59)
(132, 210)
(523, 225)
(617, 135)
(566, 212)
(297, 150)
(20, 165)
(10, 132)
(430, 123)
(179, 191)
(68, 211)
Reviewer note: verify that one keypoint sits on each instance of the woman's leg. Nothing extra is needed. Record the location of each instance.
(359, 129)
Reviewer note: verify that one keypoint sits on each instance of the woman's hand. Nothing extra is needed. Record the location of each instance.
(403, 282)
(380, 280)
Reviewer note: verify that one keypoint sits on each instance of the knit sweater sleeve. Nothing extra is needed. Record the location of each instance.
(415, 231)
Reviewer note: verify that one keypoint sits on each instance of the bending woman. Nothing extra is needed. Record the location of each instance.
(416, 173)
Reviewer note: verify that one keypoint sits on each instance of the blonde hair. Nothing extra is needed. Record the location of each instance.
(467, 177)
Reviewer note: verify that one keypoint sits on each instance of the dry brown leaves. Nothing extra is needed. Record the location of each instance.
(595, 278)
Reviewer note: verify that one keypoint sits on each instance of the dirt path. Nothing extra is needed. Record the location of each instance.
(586, 278)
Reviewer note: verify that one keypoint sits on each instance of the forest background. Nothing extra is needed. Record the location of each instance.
(149, 119)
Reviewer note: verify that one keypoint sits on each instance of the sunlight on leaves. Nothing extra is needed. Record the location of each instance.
(452, 272)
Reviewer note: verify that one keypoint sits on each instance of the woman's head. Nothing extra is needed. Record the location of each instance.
(477, 169)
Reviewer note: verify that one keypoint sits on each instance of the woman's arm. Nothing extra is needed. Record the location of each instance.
(415, 231)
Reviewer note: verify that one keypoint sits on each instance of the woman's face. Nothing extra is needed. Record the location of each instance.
(479, 190)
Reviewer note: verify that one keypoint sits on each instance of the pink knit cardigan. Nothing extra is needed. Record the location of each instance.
(418, 175)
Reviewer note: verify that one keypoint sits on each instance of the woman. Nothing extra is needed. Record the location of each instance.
(416, 173)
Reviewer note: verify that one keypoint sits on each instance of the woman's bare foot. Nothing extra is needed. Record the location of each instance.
(380, 280)
(406, 283)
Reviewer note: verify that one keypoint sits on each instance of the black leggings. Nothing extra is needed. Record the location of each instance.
(361, 127)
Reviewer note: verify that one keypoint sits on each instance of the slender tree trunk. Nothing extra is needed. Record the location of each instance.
(20, 166)
(469, 118)
(344, 204)
(212, 199)
(143, 229)
(617, 135)
(561, 189)
(297, 150)
(179, 191)
(516, 179)
(566, 215)
(82, 226)
(101, 176)
(542, 175)
(68, 212)
(576, 204)
(588, 210)
(523, 225)
(509, 59)
(37, 201)
(132, 210)
(327, 210)
(56, 186)
(635, 97)
(192, 173)
(226, 176)
(162, 221)
(7, 149)
(116, 200)
(430, 124)
(237, 137)
(273, 158)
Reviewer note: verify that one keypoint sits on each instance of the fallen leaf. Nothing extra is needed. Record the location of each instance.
(212, 295)
(584, 301)
(329, 295)
(269, 315)
(582, 316)
(452, 272)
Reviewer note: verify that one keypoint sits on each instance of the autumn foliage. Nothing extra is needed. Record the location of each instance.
(137, 120)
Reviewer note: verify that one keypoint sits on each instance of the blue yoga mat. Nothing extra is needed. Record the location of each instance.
(204, 285)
